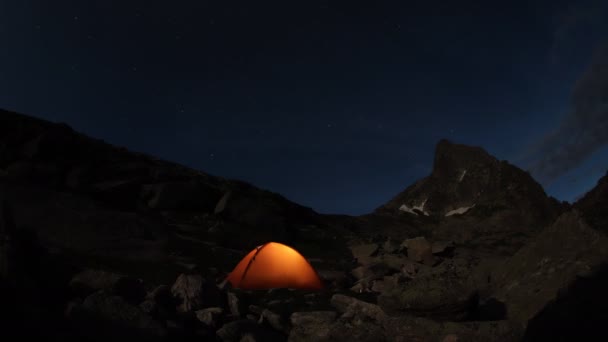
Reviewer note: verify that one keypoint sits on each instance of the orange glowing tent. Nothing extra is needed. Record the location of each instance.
(274, 265)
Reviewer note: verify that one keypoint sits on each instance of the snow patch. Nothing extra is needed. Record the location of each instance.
(459, 211)
(412, 210)
(462, 175)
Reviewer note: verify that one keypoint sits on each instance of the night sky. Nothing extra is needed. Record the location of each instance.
(337, 105)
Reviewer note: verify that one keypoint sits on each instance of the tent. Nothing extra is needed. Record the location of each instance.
(274, 265)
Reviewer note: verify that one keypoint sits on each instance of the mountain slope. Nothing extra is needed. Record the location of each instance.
(472, 197)
(86, 196)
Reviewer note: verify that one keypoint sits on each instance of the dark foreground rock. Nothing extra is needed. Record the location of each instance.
(554, 264)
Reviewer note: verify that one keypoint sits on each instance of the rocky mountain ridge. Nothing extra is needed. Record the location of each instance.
(98, 242)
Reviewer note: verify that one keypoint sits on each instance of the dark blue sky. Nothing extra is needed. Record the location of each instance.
(336, 105)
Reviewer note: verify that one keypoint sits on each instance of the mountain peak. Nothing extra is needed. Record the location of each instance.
(451, 157)
(465, 177)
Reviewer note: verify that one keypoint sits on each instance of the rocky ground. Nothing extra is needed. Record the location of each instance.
(97, 242)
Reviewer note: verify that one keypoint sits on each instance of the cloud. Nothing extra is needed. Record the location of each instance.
(583, 130)
(575, 22)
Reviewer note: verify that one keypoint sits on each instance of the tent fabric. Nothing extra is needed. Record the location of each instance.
(274, 265)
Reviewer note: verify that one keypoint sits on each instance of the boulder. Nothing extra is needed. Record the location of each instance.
(117, 315)
(162, 296)
(409, 269)
(235, 330)
(311, 326)
(274, 320)
(333, 277)
(372, 271)
(131, 289)
(355, 329)
(149, 307)
(365, 253)
(394, 262)
(92, 280)
(350, 306)
(194, 292)
(391, 246)
(234, 304)
(419, 250)
(443, 294)
(211, 317)
(442, 247)
(248, 338)
(547, 269)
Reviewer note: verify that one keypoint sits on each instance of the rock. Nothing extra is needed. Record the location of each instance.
(163, 298)
(149, 307)
(336, 278)
(360, 287)
(359, 272)
(194, 292)
(248, 338)
(378, 286)
(210, 316)
(234, 304)
(364, 253)
(450, 338)
(419, 250)
(116, 311)
(93, 280)
(409, 269)
(391, 246)
(131, 289)
(159, 292)
(442, 247)
(73, 308)
(390, 283)
(275, 320)
(235, 330)
(561, 257)
(350, 306)
(408, 328)
(221, 205)
(371, 271)
(439, 296)
(258, 309)
(311, 326)
(394, 262)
